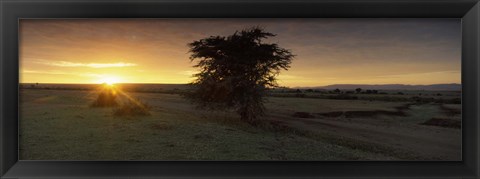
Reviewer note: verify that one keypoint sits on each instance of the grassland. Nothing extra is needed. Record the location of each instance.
(59, 124)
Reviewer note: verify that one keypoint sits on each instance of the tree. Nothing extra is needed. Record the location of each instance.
(358, 90)
(236, 71)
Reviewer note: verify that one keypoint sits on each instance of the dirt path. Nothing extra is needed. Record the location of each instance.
(421, 142)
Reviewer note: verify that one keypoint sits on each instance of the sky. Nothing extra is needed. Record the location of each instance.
(328, 51)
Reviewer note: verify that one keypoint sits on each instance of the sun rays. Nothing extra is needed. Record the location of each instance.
(109, 80)
(111, 95)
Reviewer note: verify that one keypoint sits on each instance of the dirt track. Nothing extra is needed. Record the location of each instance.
(409, 141)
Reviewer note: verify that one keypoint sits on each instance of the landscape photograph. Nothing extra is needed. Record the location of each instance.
(180, 89)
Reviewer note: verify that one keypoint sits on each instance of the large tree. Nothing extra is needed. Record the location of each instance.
(236, 71)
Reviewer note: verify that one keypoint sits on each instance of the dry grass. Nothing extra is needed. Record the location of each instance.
(161, 126)
(173, 130)
(303, 115)
(132, 108)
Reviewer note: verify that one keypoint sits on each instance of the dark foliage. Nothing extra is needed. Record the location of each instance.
(106, 98)
(236, 71)
(358, 90)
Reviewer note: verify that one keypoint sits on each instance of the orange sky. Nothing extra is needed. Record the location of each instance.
(329, 51)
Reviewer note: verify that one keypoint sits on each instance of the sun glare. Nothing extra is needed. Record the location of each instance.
(109, 80)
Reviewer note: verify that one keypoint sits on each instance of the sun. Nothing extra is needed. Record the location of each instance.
(109, 80)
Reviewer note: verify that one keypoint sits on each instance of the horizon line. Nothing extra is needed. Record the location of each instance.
(373, 84)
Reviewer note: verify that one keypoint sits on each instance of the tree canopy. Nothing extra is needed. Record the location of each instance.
(235, 71)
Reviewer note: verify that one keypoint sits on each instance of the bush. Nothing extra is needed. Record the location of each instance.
(132, 108)
(106, 98)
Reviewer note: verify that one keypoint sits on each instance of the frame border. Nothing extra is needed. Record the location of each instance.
(12, 10)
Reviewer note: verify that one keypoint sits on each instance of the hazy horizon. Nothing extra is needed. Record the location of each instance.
(328, 51)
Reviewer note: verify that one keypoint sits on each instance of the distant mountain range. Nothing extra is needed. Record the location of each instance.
(433, 87)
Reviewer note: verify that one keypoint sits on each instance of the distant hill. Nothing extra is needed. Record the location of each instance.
(433, 87)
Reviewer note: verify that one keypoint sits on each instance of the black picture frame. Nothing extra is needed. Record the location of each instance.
(13, 10)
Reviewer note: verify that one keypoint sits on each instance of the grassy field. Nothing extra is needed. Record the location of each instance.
(61, 125)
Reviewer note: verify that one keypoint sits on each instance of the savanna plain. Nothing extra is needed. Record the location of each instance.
(60, 123)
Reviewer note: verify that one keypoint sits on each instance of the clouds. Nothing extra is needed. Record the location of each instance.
(89, 65)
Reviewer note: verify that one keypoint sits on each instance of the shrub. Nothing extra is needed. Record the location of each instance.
(358, 90)
(106, 98)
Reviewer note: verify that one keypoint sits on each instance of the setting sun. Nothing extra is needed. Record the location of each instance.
(110, 80)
